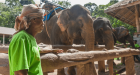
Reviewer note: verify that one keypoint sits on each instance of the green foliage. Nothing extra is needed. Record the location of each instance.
(64, 3)
(118, 42)
(8, 15)
(115, 58)
(90, 6)
(9, 11)
(137, 46)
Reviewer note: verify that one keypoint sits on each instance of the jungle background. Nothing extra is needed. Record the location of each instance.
(12, 8)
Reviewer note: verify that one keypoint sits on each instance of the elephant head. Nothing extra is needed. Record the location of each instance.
(122, 35)
(77, 22)
(122, 32)
(103, 32)
(48, 6)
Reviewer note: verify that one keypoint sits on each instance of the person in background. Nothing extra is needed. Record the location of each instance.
(24, 53)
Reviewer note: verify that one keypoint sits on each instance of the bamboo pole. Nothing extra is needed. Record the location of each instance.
(137, 18)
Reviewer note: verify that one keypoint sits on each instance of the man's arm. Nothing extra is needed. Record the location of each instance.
(21, 72)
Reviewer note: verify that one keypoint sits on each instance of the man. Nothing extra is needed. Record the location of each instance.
(24, 56)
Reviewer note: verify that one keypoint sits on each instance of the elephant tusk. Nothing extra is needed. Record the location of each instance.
(56, 13)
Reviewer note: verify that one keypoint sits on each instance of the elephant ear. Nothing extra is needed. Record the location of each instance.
(122, 32)
(63, 19)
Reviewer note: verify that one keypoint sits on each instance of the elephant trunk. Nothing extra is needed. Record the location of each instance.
(88, 33)
(130, 40)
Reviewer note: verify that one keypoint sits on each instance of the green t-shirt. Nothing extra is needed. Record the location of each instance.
(24, 54)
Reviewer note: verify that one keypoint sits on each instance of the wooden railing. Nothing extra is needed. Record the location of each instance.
(83, 60)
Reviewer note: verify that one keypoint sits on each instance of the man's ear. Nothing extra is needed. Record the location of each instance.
(17, 23)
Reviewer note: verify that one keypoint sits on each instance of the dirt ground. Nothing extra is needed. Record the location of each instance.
(119, 65)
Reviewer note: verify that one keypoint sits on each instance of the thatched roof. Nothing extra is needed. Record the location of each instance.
(124, 11)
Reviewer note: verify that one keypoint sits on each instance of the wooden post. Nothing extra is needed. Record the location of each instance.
(129, 63)
(3, 39)
(123, 58)
(137, 18)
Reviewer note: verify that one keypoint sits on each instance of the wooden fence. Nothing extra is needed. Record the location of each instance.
(83, 60)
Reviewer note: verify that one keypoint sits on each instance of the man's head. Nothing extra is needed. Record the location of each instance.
(31, 17)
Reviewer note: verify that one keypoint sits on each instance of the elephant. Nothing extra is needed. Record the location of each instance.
(71, 24)
(65, 25)
(104, 34)
(122, 35)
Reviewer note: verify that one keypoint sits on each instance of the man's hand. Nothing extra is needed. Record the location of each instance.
(21, 72)
(56, 51)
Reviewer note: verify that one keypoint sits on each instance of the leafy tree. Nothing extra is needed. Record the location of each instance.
(90, 6)
(65, 4)
(8, 12)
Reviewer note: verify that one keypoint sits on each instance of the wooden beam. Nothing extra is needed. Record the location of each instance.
(4, 49)
(122, 6)
(58, 61)
(71, 59)
(137, 18)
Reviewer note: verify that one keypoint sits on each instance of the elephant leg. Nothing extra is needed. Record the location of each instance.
(110, 66)
(130, 70)
(123, 60)
(61, 72)
(71, 70)
(101, 66)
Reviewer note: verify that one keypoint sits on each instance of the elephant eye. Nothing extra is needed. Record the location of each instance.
(46, 6)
